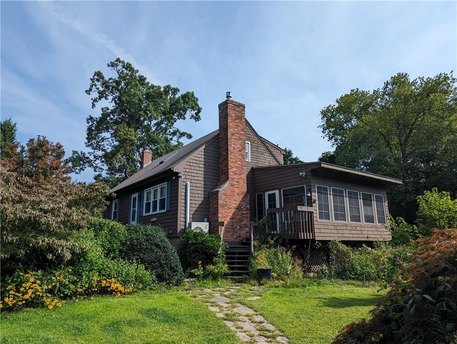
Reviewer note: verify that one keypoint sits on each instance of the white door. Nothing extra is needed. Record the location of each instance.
(271, 202)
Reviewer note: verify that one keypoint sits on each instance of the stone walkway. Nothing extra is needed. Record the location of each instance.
(249, 326)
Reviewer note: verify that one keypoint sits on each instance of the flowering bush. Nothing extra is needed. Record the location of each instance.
(38, 288)
(213, 271)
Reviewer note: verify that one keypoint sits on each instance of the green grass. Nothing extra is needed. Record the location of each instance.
(147, 317)
(314, 314)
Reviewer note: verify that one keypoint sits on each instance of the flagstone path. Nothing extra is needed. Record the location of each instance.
(247, 324)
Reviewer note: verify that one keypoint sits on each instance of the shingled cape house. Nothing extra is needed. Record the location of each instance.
(233, 181)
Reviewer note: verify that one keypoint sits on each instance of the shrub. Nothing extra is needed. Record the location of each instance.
(148, 245)
(198, 248)
(365, 263)
(214, 271)
(436, 210)
(52, 288)
(280, 260)
(421, 306)
(402, 232)
(109, 235)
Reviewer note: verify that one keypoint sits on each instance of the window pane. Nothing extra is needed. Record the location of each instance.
(260, 207)
(294, 196)
(162, 204)
(247, 147)
(354, 207)
(154, 206)
(380, 213)
(367, 201)
(339, 209)
(323, 203)
(148, 196)
(155, 193)
(163, 191)
(147, 207)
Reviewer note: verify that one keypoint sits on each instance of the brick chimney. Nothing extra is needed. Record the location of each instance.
(146, 157)
(230, 201)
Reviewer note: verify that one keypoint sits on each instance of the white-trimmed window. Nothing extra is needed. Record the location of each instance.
(247, 148)
(155, 199)
(339, 207)
(367, 202)
(115, 210)
(134, 208)
(354, 206)
(323, 204)
(380, 212)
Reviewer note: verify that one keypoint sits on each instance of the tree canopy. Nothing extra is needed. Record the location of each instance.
(406, 129)
(7, 137)
(290, 158)
(41, 206)
(134, 114)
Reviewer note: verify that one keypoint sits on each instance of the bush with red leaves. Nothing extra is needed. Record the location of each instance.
(421, 306)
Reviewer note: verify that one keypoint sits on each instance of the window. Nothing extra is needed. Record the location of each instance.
(354, 206)
(247, 148)
(260, 208)
(339, 208)
(380, 213)
(155, 199)
(294, 196)
(323, 205)
(134, 208)
(115, 209)
(367, 202)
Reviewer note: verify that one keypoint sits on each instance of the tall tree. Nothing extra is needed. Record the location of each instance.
(406, 129)
(290, 158)
(7, 137)
(41, 206)
(134, 114)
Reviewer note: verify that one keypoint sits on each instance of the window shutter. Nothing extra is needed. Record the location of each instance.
(140, 205)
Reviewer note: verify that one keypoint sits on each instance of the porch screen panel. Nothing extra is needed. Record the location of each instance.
(380, 212)
(294, 196)
(354, 206)
(339, 208)
(323, 202)
(367, 202)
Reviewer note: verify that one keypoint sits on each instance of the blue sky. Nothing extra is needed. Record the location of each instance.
(284, 60)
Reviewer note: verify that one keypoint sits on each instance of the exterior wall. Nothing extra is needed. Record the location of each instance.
(202, 171)
(349, 231)
(275, 150)
(167, 219)
(270, 179)
(260, 156)
(230, 203)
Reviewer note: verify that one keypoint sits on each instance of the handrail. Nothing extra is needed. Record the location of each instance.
(296, 222)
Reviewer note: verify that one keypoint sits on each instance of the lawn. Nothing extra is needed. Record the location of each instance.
(147, 317)
(307, 315)
(314, 314)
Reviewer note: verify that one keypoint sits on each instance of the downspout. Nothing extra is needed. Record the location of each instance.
(187, 209)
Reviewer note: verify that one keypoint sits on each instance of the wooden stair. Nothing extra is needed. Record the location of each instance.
(238, 256)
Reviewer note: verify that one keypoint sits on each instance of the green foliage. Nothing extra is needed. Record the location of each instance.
(279, 260)
(149, 245)
(8, 141)
(436, 210)
(365, 263)
(405, 129)
(421, 304)
(41, 207)
(214, 271)
(197, 247)
(402, 232)
(133, 114)
(92, 261)
(110, 236)
(290, 158)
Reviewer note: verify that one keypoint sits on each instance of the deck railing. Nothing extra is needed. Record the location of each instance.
(287, 223)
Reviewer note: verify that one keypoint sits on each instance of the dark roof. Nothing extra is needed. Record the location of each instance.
(168, 162)
(318, 165)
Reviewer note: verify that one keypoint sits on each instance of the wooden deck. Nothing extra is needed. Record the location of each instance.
(287, 223)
